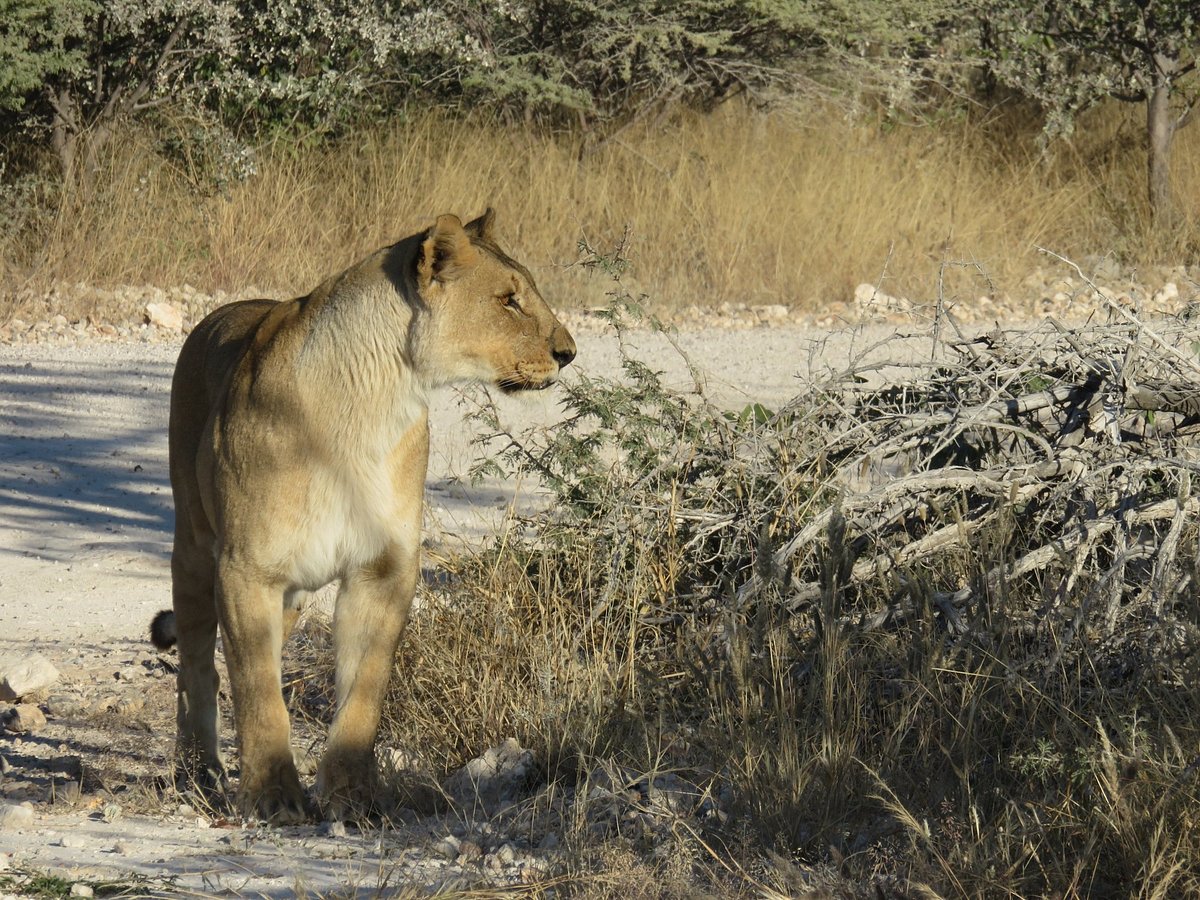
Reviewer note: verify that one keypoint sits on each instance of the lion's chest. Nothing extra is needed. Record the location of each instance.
(358, 511)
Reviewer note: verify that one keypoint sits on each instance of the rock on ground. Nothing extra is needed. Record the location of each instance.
(501, 775)
(14, 817)
(25, 673)
(25, 718)
(165, 315)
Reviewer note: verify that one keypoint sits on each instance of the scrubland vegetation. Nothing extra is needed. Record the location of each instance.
(777, 151)
(925, 631)
(876, 722)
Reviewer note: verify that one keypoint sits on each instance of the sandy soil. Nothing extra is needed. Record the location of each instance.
(85, 539)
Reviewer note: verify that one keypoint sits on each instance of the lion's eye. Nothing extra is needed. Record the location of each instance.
(511, 301)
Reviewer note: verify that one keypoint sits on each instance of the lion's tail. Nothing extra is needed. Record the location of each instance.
(162, 630)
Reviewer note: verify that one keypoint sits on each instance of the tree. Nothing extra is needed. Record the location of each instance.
(134, 51)
(80, 67)
(595, 64)
(1070, 54)
(605, 63)
(36, 40)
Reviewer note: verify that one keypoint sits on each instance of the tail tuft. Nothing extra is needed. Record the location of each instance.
(162, 630)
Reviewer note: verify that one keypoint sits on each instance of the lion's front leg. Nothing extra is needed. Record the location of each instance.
(252, 621)
(368, 621)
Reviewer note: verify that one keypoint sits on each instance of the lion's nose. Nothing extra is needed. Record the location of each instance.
(565, 352)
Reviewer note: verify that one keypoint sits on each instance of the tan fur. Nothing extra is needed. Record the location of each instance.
(298, 449)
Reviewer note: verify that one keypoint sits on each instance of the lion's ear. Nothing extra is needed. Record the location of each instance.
(481, 228)
(445, 251)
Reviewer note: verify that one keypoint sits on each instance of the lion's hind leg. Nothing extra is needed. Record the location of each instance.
(198, 759)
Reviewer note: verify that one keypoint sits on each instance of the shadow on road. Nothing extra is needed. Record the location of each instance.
(83, 445)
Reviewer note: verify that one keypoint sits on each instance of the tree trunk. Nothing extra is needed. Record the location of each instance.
(1160, 128)
(96, 139)
(64, 133)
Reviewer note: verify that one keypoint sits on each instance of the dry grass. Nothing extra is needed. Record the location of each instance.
(870, 764)
(737, 206)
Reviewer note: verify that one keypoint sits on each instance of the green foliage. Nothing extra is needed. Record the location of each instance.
(607, 61)
(80, 65)
(38, 42)
(45, 885)
(680, 499)
(1068, 55)
(610, 59)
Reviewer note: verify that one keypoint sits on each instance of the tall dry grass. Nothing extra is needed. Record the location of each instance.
(737, 206)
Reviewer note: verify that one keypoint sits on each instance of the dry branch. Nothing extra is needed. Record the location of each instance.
(1035, 479)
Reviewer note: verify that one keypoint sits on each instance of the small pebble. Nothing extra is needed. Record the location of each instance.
(468, 852)
(449, 847)
(506, 855)
(333, 829)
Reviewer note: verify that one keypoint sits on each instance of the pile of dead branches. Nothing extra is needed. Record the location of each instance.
(1051, 462)
(1035, 479)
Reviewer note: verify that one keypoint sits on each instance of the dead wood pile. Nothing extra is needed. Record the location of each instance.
(1036, 481)
(1054, 462)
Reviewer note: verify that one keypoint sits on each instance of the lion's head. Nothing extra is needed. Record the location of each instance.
(487, 318)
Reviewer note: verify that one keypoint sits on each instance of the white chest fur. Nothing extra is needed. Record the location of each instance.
(362, 504)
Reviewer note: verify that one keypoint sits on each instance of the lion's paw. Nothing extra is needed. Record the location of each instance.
(349, 788)
(275, 796)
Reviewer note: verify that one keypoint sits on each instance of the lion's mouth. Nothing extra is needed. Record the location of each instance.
(521, 385)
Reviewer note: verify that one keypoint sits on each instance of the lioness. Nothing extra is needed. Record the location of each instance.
(298, 447)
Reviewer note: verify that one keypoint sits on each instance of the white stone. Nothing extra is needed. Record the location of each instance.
(167, 316)
(449, 847)
(397, 760)
(24, 673)
(1168, 293)
(869, 299)
(498, 776)
(14, 817)
(771, 312)
(506, 855)
(335, 829)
